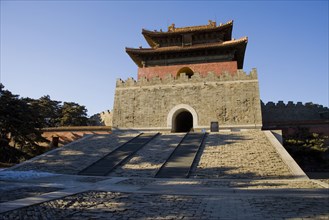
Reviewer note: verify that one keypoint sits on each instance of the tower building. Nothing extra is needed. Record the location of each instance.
(190, 78)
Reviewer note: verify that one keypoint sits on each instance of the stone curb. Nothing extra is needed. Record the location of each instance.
(285, 156)
(323, 184)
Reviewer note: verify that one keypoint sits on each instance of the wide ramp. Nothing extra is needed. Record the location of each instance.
(109, 162)
(180, 161)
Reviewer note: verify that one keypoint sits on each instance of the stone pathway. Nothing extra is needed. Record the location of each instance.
(238, 175)
(199, 200)
(246, 154)
(147, 161)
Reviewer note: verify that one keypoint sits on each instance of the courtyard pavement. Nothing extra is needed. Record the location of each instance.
(243, 190)
(82, 197)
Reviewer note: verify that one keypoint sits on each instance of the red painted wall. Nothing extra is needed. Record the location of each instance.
(202, 68)
(66, 137)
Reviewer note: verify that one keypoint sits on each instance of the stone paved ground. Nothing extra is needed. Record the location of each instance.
(147, 161)
(238, 176)
(246, 154)
(23, 192)
(118, 205)
(73, 158)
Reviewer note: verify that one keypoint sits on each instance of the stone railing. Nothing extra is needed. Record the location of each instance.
(183, 78)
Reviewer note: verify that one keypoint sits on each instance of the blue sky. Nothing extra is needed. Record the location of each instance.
(75, 50)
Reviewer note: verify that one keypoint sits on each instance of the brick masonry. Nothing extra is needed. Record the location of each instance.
(232, 100)
(203, 69)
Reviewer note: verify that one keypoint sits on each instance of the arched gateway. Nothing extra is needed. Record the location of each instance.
(182, 118)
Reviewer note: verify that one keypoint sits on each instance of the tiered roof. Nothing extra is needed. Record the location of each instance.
(153, 38)
(195, 44)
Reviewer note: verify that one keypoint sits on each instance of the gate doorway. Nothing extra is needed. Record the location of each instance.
(182, 118)
(183, 122)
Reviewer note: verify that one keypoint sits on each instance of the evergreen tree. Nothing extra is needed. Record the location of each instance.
(48, 110)
(73, 114)
(18, 119)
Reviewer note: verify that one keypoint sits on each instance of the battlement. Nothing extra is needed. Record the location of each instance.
(183, 78)
(293, 111)
(281, 104)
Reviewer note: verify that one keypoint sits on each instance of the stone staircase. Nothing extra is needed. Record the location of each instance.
(247, 154)
(224, 155)
(76, 156)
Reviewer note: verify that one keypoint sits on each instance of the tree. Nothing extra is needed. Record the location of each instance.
(73, 114)
(18, 119)
(308, 149)
(21, 121)
(48, 110)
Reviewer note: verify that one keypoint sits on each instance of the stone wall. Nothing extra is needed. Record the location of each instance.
(281, 112)
(66, 135)
(232, 100)
(106, 118)
(292, 118)
(101, 119)
(217, 68)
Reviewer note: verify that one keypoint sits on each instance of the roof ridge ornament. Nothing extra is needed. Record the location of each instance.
(171, 28)
(211, 23)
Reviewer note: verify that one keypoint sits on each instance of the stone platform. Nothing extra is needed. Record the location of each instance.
(236, 175)
(244, 154)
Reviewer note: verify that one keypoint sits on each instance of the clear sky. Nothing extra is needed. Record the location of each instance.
(75, 50)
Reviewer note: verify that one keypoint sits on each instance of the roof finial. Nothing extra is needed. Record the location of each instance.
(211, 23)
(171, 27)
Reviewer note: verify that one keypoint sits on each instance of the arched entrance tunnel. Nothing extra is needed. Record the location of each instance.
(183, 122)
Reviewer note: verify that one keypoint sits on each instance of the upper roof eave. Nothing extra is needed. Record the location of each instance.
(150, 36)
(229, 24)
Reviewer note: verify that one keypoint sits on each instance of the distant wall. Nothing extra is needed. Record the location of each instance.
(291, 117)
(281, 112)
(104, 118)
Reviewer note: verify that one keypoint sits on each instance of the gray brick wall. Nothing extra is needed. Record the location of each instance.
(232, 100)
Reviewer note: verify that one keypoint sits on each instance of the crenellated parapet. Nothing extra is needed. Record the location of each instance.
(291, 111)
(240, 75)
(291, 104)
